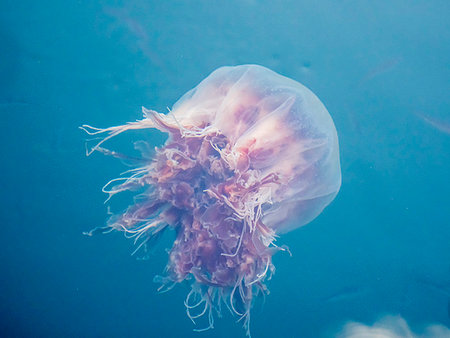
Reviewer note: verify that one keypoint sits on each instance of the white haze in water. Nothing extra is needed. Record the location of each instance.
(391, 327)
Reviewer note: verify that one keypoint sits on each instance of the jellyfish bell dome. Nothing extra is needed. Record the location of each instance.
(274, 125)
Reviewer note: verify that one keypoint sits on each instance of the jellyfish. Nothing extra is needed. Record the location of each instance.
(250, 155)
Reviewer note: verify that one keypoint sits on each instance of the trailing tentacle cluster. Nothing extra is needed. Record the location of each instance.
(213, 199)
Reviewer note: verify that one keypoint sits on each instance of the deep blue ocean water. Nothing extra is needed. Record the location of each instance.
(382, 68)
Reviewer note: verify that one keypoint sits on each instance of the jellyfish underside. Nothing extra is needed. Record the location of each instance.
(241, 165)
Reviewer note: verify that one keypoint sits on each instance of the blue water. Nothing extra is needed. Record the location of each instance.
(382, 68)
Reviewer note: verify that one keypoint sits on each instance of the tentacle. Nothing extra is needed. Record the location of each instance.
(239, 243)
(232, 296)
(114, 131)
(260, 276)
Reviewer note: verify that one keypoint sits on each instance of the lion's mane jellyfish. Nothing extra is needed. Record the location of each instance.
(251, 154)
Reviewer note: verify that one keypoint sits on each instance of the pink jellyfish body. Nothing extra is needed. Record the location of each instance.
(251, 154)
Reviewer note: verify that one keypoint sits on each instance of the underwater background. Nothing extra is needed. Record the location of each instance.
(382, 69)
